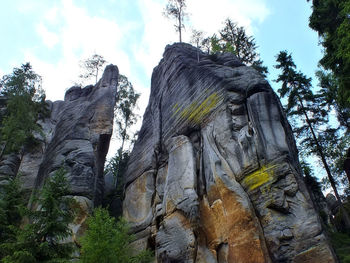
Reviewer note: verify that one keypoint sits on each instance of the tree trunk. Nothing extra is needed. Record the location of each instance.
(180, 26)
(2, 151)
(96, 75)
(346, 217)
(198, 51)
(347, 165)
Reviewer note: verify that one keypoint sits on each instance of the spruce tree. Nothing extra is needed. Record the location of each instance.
(330, 18)
(234, 39)
(25, 105)
(108, 241)
(304, 105)
(42, 239)
(12, 209)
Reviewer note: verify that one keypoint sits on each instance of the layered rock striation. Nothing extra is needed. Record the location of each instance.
(214, 175)
(75, 137)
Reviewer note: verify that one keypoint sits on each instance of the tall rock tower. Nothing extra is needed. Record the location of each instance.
(75, 137)
(214, 175)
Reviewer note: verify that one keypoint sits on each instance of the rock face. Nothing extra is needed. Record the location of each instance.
(81, 127)
(76, 137)
(214, 175)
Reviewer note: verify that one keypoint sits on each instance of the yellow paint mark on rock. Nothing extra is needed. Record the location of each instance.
(176, 108)
(196, 112)
(259, 177)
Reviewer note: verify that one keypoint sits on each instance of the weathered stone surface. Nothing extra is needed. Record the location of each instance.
(214, 175)
(80, 130)
(181, 181)
(138, 201)
(75, 136)
(175, 239)
(83, 207)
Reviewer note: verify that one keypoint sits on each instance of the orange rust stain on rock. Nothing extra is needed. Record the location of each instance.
(182, 219)
(226, 221)
(82, 213)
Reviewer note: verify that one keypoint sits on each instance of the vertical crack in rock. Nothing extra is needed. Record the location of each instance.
(220, 192)
(77, 136)
(251, 131)
(100, 156)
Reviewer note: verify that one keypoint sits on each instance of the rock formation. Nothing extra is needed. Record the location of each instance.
(76, 137)
(214, 175)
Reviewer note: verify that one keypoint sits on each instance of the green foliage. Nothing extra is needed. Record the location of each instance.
(11, 212)
(303, 106)
(311, 181)
(91, 67)
(125, 117)
(330, 18)
(117, 165)
(234, 39)
(329, 95)
(41, 240)
(198, 40)
(175, 9)
(341, 245)
(335, 146)
(25, 105)
(108, 241)
(309, 117)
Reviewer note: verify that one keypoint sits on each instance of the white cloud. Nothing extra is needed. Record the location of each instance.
(74, 33)
(209, 16)
(50, 39)
(158, 32)
(203, 15)
(78, 35)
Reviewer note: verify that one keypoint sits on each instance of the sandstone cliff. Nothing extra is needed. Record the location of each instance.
(214, 175)
(76, 137)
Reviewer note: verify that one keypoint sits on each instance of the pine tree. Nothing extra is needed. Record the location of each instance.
(91, 67)
(330, 18)
(108, 241)
(25, 105)
(42, 240)
(125, 118)
(176, 9)
(198, 40)
(11, 212)
(304, 105)
(234, 39)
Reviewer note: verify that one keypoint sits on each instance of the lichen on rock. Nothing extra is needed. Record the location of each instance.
(214, 175)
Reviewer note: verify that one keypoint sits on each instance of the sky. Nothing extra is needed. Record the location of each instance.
(56, 35)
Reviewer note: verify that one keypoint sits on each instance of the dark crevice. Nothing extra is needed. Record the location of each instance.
(100, 154)
(251, 131)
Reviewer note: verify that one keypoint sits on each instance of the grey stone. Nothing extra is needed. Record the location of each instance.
(175, 240)
(181, 181)
(332, 203)
(80, 128)
(227, 181)
(75, 136)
